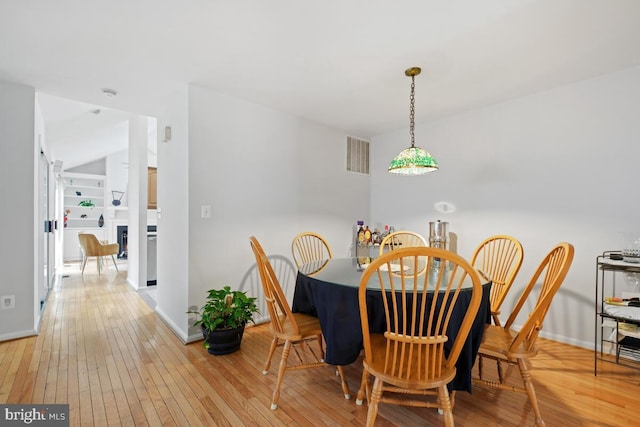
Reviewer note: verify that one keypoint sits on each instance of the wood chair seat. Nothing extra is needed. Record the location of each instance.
(376, 367)
(497, 344)
(307, 326)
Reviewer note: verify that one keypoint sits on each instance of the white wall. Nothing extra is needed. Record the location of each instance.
(42, 167)
(117, 171)
(18, 177)
(264, 173)
(137, 189)
(558, 165)
(173, 214)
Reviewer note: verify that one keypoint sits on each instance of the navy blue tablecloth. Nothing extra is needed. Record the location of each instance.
(337, 308)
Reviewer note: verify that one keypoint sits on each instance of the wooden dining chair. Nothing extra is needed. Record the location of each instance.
(92, 247)
(518, 347)
(401, 239)
(292, 331)
(499, 259)
(408, 361)
(309, 246)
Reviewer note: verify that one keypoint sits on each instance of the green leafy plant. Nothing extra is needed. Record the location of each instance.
(225, 309)
(86, 203)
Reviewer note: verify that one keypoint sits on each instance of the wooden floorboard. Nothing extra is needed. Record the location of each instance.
(103, 351)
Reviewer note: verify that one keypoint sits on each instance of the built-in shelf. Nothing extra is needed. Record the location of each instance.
(80, 187)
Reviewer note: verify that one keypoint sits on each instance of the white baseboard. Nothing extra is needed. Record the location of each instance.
(561, 338)
(18, 334)
(174, 328)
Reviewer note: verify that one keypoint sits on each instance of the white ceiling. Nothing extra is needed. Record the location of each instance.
(336, 62)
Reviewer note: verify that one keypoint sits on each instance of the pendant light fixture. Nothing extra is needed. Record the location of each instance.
(413, 160)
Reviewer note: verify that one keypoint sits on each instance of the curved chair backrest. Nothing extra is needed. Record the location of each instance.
(401, 239)
(499, 259)
(552, 271)
(309, 246)
(90, 244)
(283, 323)
(91, 247)
(416, 328)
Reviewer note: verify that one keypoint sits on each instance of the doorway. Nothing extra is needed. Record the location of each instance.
(47, 232)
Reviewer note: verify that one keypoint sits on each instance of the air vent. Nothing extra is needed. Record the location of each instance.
(357, 155)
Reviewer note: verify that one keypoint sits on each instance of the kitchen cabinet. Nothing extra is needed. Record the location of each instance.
(152, 188)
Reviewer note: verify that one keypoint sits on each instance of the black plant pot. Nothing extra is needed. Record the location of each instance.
(223, 341)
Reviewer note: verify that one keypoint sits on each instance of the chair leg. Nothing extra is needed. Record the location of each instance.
(376, 395)
(272, 349)
(99, 264)
(445, 405)
(531, 392)
(496, 320)
(84, 262)
(281, 370)
(363, 387)
(114, 262)
(345, 386)
(321, 344)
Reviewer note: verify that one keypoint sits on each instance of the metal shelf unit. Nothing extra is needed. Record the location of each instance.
(616, 333)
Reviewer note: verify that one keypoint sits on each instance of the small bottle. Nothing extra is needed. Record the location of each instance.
(385, 232)
(367, 236)
(376, 237)
(360, 233)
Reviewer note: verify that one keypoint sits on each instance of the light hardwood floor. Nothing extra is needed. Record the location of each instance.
(103, 351)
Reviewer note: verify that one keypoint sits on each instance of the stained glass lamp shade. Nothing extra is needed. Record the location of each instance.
(413, 161)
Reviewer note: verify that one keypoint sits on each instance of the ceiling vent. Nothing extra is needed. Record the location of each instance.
(357, 155)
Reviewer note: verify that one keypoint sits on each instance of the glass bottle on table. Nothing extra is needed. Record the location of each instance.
(367, 236)
(360, 233)
(376, 238)
(360, 244)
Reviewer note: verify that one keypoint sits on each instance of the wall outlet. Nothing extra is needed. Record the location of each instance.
(7, 301)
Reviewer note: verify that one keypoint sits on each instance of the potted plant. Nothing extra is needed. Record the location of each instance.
(223, 318)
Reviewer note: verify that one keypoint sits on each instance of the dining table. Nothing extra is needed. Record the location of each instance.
(328, 289)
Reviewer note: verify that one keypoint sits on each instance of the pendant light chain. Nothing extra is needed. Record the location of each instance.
(412, 110)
